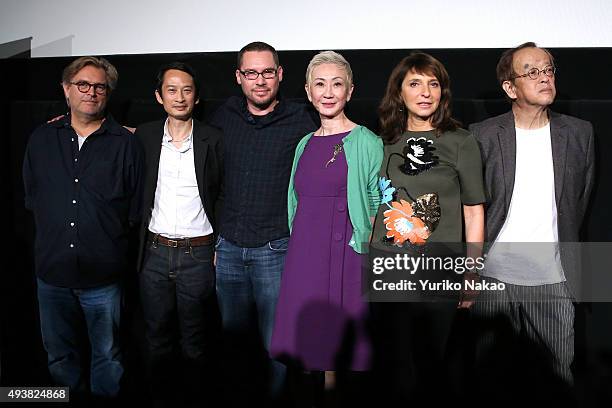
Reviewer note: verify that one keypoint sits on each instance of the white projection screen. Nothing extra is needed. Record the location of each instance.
(72, 27)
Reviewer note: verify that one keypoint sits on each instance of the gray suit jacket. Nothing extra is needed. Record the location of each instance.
(573, 153)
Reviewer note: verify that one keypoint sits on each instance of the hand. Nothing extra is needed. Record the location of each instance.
(468, 296)
(215, 259)
(55, 119)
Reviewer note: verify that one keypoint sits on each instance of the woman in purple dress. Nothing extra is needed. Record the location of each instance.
(333, 197)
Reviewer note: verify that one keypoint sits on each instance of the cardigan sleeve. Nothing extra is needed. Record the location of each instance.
(376, 154)
(291, 194)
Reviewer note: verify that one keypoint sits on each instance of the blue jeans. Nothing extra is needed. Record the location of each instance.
(63, 312)
(177, 286)
(250, 278)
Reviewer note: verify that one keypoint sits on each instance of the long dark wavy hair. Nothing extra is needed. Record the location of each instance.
(392, 112)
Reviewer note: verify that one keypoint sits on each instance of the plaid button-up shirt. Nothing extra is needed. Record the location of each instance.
(258, 157)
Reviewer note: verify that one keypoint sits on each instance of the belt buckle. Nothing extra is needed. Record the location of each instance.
(172, 243)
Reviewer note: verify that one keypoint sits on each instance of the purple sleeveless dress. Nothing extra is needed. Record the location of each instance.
(320, 315)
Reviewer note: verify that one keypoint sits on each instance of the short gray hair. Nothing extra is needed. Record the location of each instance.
(102, 63)
(329, 57)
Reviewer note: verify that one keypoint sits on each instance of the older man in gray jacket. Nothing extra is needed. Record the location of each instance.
(539, 171)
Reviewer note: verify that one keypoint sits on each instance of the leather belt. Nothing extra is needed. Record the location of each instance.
(183, 242)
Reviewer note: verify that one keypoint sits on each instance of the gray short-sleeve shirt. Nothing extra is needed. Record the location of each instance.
(445, 170)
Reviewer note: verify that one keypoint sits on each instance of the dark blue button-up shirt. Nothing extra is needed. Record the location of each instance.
(258, 153)
(84, 201)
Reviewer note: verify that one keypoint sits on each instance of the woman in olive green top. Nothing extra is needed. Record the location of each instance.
(432, 185)
(428, 160)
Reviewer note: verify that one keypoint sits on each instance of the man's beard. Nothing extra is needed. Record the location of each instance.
(263, 105)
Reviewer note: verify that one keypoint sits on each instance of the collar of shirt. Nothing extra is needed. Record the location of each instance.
(167, 139)
(263, 120)
(108, 125)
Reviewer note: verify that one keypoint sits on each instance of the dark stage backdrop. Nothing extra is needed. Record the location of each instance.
(31, 94)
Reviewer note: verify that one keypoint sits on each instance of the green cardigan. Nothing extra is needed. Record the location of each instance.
(364, 154)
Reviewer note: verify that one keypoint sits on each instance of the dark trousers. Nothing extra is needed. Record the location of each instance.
(177, 291)
(411, 342)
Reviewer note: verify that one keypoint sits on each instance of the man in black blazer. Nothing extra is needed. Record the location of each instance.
(539, 172)
(182, 195)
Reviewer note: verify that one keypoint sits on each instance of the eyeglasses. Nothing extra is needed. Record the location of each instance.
(534, 73)
(84, 87)
(251, 74)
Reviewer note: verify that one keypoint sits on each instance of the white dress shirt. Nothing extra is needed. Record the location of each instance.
(177, 207)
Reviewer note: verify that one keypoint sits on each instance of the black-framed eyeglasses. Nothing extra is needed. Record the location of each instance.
(534, 73)
(251, 74)
(84, 87)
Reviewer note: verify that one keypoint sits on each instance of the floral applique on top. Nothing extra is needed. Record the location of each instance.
(418, 156)
(413, 222)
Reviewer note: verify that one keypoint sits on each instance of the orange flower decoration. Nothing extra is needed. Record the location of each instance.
(402, 226)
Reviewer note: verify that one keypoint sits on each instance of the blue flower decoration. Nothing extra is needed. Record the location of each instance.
(386, 189)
